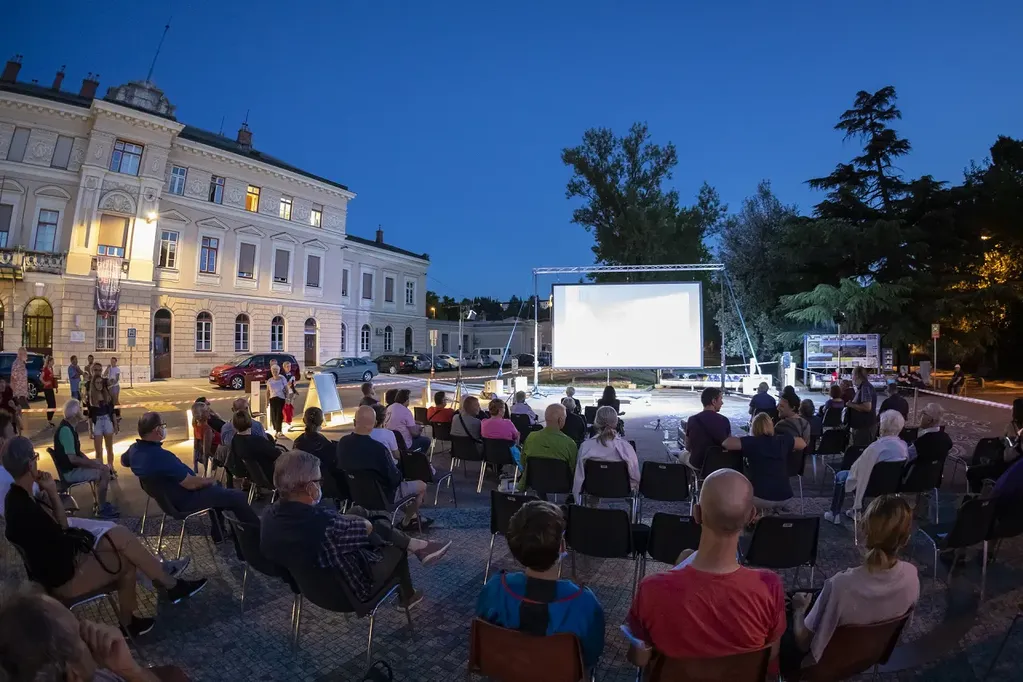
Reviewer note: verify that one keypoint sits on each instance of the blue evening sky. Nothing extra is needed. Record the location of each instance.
(448, 118)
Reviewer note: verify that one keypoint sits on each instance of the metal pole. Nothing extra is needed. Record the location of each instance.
(935, 363)
(458, 383)
(536, 335)
(839, 354)
(916, 396)
(721, 278)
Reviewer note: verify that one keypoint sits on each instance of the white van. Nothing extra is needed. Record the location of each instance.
(484, 357)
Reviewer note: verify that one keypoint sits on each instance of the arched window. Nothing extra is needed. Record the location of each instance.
(37, 330)
(204, 332)
(241, 334)
(277, 334)
(344, 338)
(364, 339)
(408, 339)
(388, 339)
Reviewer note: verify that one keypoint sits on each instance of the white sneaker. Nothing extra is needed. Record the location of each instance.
(851, 514)
(833, 518)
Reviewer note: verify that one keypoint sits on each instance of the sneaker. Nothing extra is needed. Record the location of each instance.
(137, 627)
(185, 589)
(432, 553)
(108, 511)
(833, 518)
(175, 567)
(417, 597)
(851, 514)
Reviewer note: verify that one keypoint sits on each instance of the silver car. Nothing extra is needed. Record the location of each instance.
(346, 369)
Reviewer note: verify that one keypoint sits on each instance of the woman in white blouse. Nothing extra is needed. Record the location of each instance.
(606, 446)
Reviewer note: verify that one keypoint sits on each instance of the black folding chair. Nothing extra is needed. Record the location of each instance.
(885, 479)
(833, 442)
(589, 414)
(795, 464)
(604, 533)
(335, 487)
(608, 480)
(924, 478)
(716, 458)
(522, 424)
(419, 415)
(1008, 523)
(463, 449)
(831, 418)
(849, 457)
(663, 482)
(502, 507)
(366, 492)
(548, 476)
(441, 432)
(155, 489)
(973, 525)
(669, 536)
(259, 478)
(986, 450)
(64, 488)
(416, 467)
(497, 453)
(247, 547)
(781, 542)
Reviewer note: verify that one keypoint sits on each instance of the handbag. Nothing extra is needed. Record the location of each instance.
(289, 412)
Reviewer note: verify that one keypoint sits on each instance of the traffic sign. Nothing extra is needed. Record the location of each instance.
(131, 332)
(935, 331)
(433, 337)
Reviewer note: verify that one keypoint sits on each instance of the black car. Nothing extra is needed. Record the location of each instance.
(393, 364)
(34, 367)
(525, 359)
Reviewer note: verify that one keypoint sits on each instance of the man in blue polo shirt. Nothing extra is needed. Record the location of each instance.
(762, 401)
(186, 491)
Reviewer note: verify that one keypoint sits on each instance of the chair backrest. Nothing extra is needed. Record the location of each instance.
(257, 474)
(923, 476)
(441, 430)
(670, 534)
(795, 462)
(987, 450)
(326, 588)
(606, 479)
(885, 479)
(497, 451)
(334, 487)
(400, 440)
(522, 423)
(1008, 520)
(415, 466)
(853, 649)
(548, 475)
(909, 434)
(599, 532)
(664, 482)
(849, 457)
(747, 667)
(974, 523)
(502, 507)
(512, 656)
(784, 542)
(156, 488)
(831, 417)
(717, 457)
(464, 448)
(833, 442)
(365, 491)
(246, 542)
(419, 414)
(589, 414)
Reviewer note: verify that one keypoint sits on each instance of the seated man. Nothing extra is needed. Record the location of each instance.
(227, 430)
(295, 531)
(549, 442)
(537, 601)
(790, 421)
(710, 606)
(369, 397)
(574, 426)
(358, 451)
(896, 402)
(706, 428)
(955, 385)
(149, 459)
(439, 411)
(762, 401)
(73, 465)
(520, 407)
(466, 422)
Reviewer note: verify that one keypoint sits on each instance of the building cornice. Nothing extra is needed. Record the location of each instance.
(260, 221)
(134, 117)
(36, 105)
(386, 254)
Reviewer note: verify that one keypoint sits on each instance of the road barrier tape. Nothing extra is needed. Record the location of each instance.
(975, 401)
(145, 404)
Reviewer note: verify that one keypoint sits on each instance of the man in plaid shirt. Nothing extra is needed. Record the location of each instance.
(295, 531)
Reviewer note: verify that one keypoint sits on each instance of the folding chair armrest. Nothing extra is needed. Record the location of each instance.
(197, 513)
(404, 502)
(438, 481)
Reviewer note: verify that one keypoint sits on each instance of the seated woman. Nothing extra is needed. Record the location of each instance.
(314, 442)
(71, 563)
(385, 436)
(834, 402)
(887, 448)
(399, 418)
(499, 427)
(520, 407)
(246, 447)
(881, 588)
(806, 412)
(610, 399)
(607, 446)
(767, 455)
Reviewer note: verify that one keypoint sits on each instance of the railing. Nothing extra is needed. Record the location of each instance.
(33, 261)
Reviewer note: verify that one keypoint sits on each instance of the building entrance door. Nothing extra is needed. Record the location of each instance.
(310, 343)
(162, 344)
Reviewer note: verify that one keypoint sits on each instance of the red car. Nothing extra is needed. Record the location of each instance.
(255, 366)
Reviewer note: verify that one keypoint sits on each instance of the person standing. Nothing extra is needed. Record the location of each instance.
(19, 386)
(955, 386)
(862, 407)
(49, 390)
(113, 376)
(101, 413)
(74, 377)
(289, 399)
(277, 393)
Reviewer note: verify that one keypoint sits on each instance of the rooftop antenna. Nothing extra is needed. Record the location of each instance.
(222, 118)
(159, 46)
(246, 121)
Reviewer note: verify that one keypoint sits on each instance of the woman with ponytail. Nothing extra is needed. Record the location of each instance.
(881, 588)
(607, 445)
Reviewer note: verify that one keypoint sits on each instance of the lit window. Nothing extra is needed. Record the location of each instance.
(106, 331)
(388, 339)
(204, 332)
(177, 180)
(389, 289)
(277, 334)
(312, 272)
(62, 152)
(127, 158)
(19, 143)
(282, 266)
(344, 282)
(252, 199)
(241, 334)
(113, 233)
(208, 255)
(285, 209)
(316, 215)
(410, 293)
(344, 338)
(46, 231)
(364, 339)
(168, 249)
(367, 286)
(246, 260)
(217, 189)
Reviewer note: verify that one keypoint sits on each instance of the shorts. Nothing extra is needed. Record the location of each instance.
(406, 488)
(104, 426)
(81, 475)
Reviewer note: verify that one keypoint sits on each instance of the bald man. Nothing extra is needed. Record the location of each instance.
(549, 442)
(709, 606)
(359, 452)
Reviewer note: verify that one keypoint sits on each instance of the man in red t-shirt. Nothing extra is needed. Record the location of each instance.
(440, 412)
(709, 606)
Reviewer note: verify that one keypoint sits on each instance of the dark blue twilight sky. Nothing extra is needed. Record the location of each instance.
(447, 118)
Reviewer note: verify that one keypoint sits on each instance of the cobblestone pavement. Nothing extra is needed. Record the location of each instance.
(213, 640)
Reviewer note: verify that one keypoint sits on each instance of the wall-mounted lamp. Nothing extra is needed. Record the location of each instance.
(151, 216)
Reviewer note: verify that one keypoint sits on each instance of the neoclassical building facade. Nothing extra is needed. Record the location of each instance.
(126, 233)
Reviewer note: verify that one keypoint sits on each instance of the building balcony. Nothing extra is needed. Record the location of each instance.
(14, 263)
(124, 265)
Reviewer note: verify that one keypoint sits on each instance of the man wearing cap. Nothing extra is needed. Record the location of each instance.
(955, 386)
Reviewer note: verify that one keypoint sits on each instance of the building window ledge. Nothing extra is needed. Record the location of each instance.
(206, 278)
(281, 287)
(314, 292)
(168, 274)
(246, 283)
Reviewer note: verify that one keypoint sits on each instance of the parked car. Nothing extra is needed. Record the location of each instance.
(33, 367)
(445, 362)
(255, 366)
(422, 362)
(346, 369)
(545, 358)
(525, 359)
(393, 364)
(486, 357)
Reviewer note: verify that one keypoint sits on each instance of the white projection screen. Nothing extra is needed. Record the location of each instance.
(648, 325)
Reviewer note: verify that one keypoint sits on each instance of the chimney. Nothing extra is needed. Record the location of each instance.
(59, 78)
(89, 85)
(380, 235)
(245, 136)
(11, 70)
